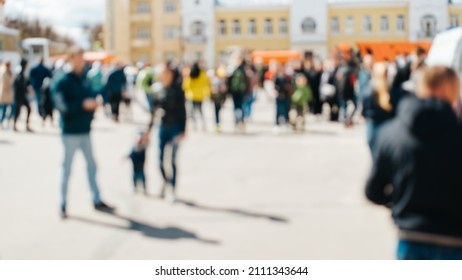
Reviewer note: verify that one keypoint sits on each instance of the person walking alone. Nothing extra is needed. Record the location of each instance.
(21, 89)
(76, 103)
(116, 85)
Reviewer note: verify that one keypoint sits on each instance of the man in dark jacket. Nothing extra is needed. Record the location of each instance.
(37, 75)
(116, 84)
(416, 170)
(76, 103)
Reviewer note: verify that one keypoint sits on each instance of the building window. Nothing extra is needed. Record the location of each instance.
(268, 27)
(283, 28)
(252, 27)
(335, 25)
(143, 7)
(400, 24)
(384, 24)
(428, 26)
(308, 25)
(454, 20)
(197, 29)
(367, 24)
(236, 27)
(350, 25)
(222, 27)
(169, 6)
(143, 33)
(170, 32)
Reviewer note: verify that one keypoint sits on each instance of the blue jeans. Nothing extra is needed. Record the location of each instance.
(4, 108)
(344, 109)
(372, 130)
(282, 111)
(408, 250)
(247, 106)
(169, 135)
(71, 144)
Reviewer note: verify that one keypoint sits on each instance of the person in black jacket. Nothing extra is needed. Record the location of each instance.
(416, 170)
(21, 89)
(172, 128)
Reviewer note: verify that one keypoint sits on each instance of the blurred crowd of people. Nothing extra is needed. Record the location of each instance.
(412, 113)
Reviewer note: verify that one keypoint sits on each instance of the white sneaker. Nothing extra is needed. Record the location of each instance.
(276, 130)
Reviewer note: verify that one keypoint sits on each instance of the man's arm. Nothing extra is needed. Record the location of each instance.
(380, 178)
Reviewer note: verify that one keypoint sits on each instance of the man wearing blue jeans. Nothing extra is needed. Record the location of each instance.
(76, 103)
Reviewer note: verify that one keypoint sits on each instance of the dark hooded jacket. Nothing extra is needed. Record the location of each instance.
(419, 154)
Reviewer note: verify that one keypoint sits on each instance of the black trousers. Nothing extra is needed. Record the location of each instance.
(115, 100)
(19, 105)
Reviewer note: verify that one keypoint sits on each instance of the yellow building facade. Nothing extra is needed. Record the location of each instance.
(254, 29)
(158, 30)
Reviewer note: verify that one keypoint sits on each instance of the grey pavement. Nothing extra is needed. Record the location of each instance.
(252, 196)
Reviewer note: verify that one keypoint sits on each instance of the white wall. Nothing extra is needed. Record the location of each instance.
(203, 12)
(318, 10)
(420, 8)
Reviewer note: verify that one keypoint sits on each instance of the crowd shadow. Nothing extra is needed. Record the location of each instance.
(233, 211)
(151, 231)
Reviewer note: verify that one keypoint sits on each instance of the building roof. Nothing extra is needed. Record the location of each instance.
(8, 31)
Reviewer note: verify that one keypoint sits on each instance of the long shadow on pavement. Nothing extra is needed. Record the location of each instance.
(234, 211)
(169, 233)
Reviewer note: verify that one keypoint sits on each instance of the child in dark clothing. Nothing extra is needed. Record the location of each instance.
(138, 158)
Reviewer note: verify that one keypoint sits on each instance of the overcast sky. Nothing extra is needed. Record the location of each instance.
(65, 16)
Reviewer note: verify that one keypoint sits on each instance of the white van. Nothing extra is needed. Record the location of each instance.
(447, 50)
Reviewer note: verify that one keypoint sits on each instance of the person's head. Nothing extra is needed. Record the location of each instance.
(300, 80)
(368, 62)
(195, 71)
(380, 82)
(76, 60)
(23, 65)
(439, 82)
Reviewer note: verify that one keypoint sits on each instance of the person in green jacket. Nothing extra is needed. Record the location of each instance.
(301, 97)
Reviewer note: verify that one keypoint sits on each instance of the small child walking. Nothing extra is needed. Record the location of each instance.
(302, 96)
(138, 158)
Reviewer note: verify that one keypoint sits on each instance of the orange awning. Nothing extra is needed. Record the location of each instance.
(382, 51)
(282, 56)
(103, 57)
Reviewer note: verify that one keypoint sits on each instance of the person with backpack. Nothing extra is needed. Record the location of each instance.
(197, 88)
(239, 85)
